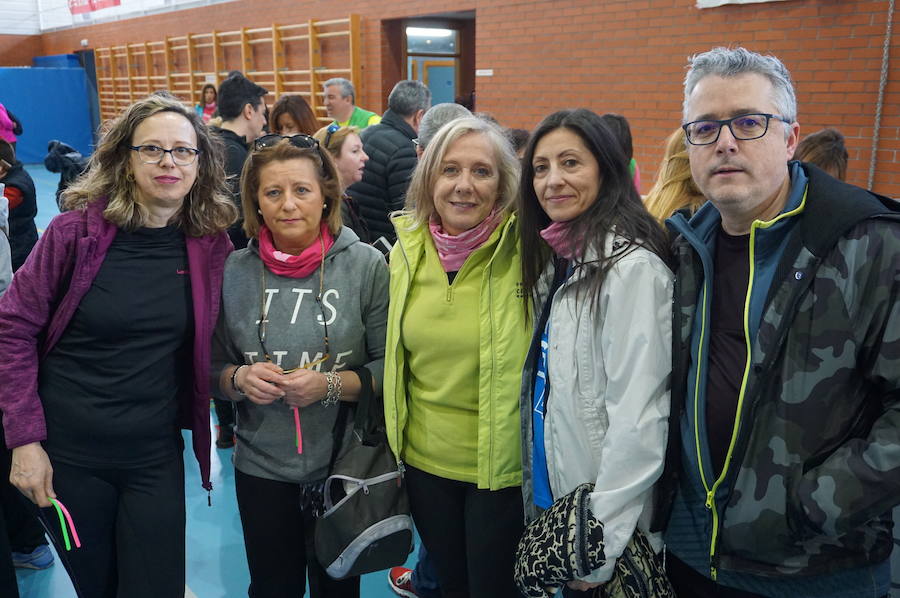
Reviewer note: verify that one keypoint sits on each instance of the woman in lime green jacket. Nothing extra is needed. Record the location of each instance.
(456, 342)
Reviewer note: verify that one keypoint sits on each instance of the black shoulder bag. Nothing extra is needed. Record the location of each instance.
(366, 525)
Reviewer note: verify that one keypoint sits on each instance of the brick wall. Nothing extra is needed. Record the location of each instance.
(624, 56)
(18, 50)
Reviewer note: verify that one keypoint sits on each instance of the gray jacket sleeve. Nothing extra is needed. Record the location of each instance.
(5, 252)
(375, 319)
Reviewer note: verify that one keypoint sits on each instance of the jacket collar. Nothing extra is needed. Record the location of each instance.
(229, 135)
(835, 207)
(392, 119)
(412, 238)
(344, 239)
(704, 224)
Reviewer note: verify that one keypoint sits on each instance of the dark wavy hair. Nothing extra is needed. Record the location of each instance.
(618, 206)
(203, 93)
(297, 108)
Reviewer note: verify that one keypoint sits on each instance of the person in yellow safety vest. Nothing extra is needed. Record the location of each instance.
(340, 104)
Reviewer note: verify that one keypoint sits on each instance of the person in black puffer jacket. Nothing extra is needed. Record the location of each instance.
(68, 162)
(19, 190)
(392, 159)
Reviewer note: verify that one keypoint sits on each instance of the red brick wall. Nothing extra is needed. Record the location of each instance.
(18, 50)
(624, 56)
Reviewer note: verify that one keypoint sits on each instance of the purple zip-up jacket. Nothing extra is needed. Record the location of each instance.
(42, 299)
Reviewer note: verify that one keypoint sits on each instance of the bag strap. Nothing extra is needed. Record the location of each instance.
(364, 424)
(362, 406)
(337, 433)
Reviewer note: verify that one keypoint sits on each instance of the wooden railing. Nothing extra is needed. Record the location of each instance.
(285, 59)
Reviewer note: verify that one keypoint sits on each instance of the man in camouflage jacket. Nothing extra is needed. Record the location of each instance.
(798, 501)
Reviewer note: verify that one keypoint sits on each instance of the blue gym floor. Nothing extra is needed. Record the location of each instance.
(216, 564)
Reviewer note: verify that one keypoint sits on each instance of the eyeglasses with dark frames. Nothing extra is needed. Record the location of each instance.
(743, 127)
(273, 139)
(153, 154)
(263, 315)
(331, 130)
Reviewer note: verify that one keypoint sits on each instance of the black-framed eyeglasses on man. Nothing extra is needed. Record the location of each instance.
(153, 154)
(743, 127)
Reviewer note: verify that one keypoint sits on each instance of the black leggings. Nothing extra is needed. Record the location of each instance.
(278, 538)
(131, 526)
(471, 534)
(20, 529)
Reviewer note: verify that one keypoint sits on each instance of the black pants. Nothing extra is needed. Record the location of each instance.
(8, 584)
(131, 526)
(278, 538)
(691, 584)
(20, 529)
(472, 534)
(224, 412)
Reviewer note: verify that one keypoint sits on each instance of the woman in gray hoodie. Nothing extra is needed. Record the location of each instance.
(302, 328)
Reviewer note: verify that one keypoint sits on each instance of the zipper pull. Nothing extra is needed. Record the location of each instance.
(709, 499)
(449, 294)
(209, 498)
(714, 566)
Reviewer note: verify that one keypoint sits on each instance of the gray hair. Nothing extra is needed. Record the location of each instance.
(408, 97)
(347, 88)
(436, 117)
(731, 62)
(420, 194)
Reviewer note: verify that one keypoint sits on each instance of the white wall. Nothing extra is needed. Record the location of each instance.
(19, 17)
(27, 17)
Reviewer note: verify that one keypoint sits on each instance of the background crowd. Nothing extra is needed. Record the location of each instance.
(579, 398)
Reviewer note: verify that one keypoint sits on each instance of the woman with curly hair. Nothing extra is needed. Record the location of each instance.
(105, 349)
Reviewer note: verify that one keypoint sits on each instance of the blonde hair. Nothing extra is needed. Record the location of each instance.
(207, 209)
(674, 187)
(326, 171)
(419, 197)
(337, 139)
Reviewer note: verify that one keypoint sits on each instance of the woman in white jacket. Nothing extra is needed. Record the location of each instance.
(595, 397)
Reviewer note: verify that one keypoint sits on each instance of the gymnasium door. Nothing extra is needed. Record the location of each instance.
(432, 56)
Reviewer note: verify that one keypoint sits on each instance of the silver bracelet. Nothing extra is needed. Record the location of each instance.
(234, 385)
(335, 389)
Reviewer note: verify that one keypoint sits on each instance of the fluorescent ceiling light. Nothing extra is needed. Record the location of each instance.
(428, 32)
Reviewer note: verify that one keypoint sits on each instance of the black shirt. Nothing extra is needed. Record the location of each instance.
(110, 386)
(236, 151)
(727, 345)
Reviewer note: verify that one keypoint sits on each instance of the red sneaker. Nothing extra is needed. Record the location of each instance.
(400, 580)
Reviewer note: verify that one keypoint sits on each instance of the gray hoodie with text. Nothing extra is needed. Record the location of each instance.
(354, 305)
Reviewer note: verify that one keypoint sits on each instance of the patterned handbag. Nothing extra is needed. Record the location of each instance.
(564, 543)
(639, 573)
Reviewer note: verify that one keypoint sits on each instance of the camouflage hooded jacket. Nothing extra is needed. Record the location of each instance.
(813, 467)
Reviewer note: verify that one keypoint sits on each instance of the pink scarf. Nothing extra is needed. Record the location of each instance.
(560, 241)
(293, 266)
(453, 250)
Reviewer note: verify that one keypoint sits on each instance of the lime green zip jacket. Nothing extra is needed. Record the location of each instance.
(505, 335)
